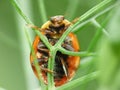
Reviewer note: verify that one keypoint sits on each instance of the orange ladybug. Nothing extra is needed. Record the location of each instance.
(65, 66)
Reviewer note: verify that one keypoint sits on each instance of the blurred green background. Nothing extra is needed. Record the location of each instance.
(15, 69)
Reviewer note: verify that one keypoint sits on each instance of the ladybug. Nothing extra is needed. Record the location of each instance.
(65, 66)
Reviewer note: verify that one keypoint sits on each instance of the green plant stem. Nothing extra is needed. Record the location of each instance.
(27, 20)
(70, 12)
(35, 60)
(42, 10)
(94, 40)
(94, 17)
(94, 9)
(51, 67)
(42, 37)
(95, 23)
(97, 35)
(83, 17)
(79, 81)
(82, 54)
(17, 7)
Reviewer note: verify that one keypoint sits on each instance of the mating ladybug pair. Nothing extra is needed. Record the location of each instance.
(65, 66)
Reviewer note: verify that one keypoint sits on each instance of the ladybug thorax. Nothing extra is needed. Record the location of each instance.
(55, 27)
(56, 32)
(57, 21)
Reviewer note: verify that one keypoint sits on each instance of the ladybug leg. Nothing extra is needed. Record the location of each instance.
(68, 47)
(64, 67)
(43, 66)
(75, 20)
(49, 32)
(40, 61)
(43, 50)
(41, 45)
(67, 44)
(66, 27)
(46, 70)
(33, 27)
(42, 30)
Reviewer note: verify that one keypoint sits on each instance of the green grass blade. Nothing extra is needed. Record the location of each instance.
(95, 23)
(17, 7)
(71, 9)
(97, 36)
(94, 17)
(42, 37)
(42, 10)
(94, 9)
(35, 61)
(83, 17)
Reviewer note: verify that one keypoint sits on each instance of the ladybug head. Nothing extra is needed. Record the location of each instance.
(57, 20)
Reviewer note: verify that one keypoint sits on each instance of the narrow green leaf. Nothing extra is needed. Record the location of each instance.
(42, 37)
(83, 17)
(99, 26)
(42, 10)
(35, 61)
(94, 17)
(71, 9)
(109, 55)
(17, 7)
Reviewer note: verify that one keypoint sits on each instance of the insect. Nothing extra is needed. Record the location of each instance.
(65, 66)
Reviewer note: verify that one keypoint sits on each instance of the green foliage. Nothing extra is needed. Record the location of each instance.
(103, 65)
(108, 60)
